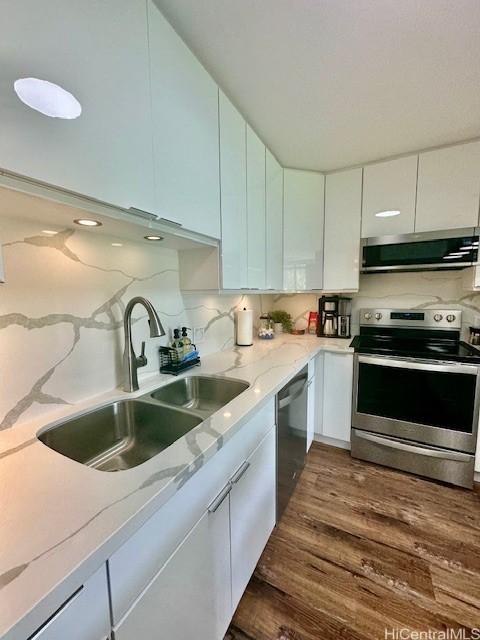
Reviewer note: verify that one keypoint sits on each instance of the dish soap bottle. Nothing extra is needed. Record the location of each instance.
(177, 343)
(187, 343)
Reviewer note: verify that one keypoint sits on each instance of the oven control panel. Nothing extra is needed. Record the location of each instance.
(412, 318)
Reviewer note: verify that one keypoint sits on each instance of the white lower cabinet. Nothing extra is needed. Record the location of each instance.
(252, 512)
(183, 572)
(84, 616)
(190, 596)
(337, 395)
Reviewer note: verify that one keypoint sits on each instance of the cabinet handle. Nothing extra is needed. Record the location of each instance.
(240, 472)
(142, 214)
(172, 222)
(220, 498)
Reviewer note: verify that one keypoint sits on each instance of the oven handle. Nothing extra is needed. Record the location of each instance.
(417, 363)
(403, 446)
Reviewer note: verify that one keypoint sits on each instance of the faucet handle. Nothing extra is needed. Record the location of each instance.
(142, 358)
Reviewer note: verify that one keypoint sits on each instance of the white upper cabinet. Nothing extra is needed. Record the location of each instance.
(343, 208)
(448, 188)
(255, 211)
(185, 131)
(389, 187)
(233, 179)
(274, 223)
(97, 51)
(303, 230)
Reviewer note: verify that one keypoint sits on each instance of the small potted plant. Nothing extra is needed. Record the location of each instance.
(282, 321)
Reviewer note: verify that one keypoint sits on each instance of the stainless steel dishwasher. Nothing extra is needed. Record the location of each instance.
(291, 437)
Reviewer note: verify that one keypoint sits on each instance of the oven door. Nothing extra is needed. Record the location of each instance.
(428, 401)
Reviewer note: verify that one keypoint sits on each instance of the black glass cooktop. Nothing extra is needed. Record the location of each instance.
(427, 346)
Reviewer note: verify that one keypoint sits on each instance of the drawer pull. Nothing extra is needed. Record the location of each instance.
(241, 471)
(220, 498)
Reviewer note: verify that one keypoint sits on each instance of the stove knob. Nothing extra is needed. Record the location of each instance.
(450, 318)
(437, 317)
(367, 316)
(378, 316)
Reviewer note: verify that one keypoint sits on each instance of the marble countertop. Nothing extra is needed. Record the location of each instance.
(61, 520)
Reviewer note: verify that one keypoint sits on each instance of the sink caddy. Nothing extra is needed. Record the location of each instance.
(171, 362)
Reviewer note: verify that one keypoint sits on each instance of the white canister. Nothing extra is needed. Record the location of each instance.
(244, 327)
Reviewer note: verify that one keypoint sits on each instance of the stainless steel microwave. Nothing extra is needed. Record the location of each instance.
(429, 251)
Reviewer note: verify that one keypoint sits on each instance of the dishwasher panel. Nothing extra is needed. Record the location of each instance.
(292, 437)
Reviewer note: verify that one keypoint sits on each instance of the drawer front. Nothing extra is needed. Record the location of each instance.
(84, 616)
(133, 565)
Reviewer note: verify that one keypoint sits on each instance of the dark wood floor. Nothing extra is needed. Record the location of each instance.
(361, 549)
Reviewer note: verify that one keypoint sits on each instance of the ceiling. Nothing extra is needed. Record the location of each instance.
(333, 83)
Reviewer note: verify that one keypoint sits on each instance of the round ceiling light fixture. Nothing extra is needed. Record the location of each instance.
(153, 238)
(387, 214)
(47, 98)
(87, 222)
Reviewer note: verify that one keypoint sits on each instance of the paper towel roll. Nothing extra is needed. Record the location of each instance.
(244, 327)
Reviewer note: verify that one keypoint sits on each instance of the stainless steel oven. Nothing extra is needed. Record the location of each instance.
(419, 414)
(431, 401)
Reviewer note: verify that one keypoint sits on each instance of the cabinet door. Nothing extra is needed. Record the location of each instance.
(98, 52)
(233, 177)
(85, 615)
(190, 597)
(318, 394)
(274, 223)
(185, 131)
(252, 512)
(256, 242)
(303, 230)
(389, 186)
(311, 401)
(337, 395)
(448, 188)
(343, 209)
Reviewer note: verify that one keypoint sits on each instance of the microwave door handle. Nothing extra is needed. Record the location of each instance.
(410, 448)
(415, 363)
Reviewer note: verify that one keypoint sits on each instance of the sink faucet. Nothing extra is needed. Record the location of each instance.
(130, 361)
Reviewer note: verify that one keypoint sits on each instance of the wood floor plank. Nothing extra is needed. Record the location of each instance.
(362, 548)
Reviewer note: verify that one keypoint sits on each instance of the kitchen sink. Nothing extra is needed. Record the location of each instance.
(200, 394)
(121, 435)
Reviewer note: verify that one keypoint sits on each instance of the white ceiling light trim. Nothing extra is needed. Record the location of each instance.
(387, 214)
(47, 98)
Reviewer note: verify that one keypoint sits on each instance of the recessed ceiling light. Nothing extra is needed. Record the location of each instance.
(86, 222)
(153, 238)
(49, 232)
(387, 214)
(117, 244)
(47, 98)
(453, 256)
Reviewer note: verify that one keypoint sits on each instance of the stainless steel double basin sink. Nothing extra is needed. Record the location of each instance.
(127, 433)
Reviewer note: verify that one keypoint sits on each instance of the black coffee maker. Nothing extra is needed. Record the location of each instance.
(334, 317)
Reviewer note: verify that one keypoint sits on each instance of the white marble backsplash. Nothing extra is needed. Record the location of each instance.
(422, 290)
(61, 314)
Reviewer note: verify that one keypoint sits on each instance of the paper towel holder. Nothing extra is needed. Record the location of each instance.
(244, 328)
